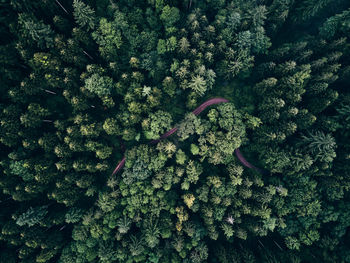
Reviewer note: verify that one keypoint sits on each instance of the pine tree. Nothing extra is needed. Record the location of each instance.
(156, 124)
(99, 85)
(198, 85)
(32, 216)
(124, 225)
(109, 39)
(321, 146)
(136, 246)
(84, 15)
(74, 215)
(34, 31)
(169, 15)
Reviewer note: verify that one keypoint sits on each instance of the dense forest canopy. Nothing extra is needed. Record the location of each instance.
(105, 156)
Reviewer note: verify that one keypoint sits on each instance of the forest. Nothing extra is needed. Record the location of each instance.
(175, 131)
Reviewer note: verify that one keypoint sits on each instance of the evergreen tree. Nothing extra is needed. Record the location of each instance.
(83, 14)
(32, 216)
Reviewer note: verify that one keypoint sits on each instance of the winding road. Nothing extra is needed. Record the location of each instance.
(196, 112)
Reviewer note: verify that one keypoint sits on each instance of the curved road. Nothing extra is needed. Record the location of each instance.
(196, 112)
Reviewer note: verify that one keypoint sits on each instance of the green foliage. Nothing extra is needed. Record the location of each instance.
(320, 145)
(99, 85)
(74, 215)
(83, 14)
(169, 15)
(194, 149)
(261, 178)
(339, 22)
(32, 216)
(108, 38)
(33, 117)
(198, 85)
(123, 225)
(310, 8)
(21, 168)
(189, 126)
(107, 202)
(157, 124)
(111, 126)
(35, 32)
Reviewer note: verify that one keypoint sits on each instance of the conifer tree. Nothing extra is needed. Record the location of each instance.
(83, 14)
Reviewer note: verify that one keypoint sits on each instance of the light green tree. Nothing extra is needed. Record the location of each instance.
(99, 85)
(32, 216)
(83, 14)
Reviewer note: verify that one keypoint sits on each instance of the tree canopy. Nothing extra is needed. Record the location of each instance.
(174, 131)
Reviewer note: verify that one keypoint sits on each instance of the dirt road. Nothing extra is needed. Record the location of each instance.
(196, 112)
